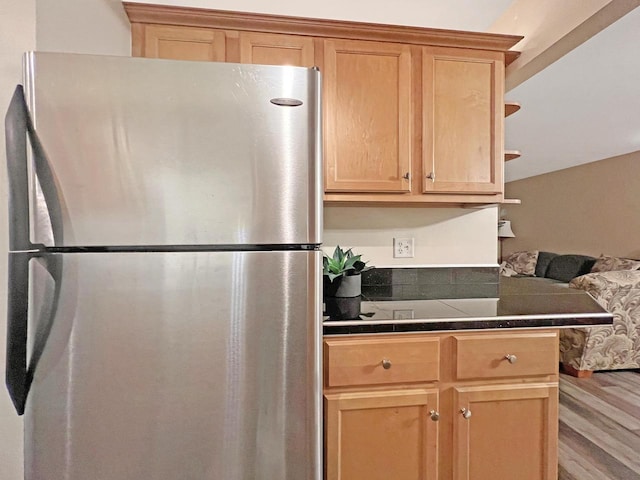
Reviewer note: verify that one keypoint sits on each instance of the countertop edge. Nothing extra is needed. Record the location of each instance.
(480, 323)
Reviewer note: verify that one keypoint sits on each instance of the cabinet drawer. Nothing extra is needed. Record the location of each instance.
(381, 361)
(511, 355)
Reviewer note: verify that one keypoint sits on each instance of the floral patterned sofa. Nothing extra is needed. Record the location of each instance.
(615, 284)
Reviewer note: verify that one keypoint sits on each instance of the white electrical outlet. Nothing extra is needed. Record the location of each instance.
(403, 248)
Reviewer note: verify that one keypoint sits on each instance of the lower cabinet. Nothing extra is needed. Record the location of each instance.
(506, 432)
(462, 406)
(378, 435)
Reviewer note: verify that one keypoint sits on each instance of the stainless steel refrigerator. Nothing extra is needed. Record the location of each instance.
(164, 273)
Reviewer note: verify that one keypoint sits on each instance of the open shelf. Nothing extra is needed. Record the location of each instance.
(510, 108)
(511, 155)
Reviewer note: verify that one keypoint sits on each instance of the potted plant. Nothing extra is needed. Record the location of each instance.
(342, 273)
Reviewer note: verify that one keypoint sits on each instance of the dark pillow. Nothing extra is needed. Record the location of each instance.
(566, 267)
(544, 258)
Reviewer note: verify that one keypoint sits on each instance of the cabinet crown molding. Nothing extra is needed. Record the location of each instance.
(258, 22)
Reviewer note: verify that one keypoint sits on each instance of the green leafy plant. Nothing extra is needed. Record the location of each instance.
(343, 263)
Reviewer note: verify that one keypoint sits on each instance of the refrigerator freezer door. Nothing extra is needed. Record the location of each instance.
(165, 366)
(161, 152)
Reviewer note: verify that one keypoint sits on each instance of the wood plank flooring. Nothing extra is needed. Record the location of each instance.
(600, 427)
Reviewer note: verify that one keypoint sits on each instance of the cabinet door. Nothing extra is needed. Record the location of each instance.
(512, 432)
(184, 43)
(273, 49)
(381, 435)
(368, 116)
(462, 121)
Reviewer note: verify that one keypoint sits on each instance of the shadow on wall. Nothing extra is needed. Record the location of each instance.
(388, 218)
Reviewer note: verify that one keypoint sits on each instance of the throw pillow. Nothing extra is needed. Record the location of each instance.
(523, 263)
(606, 263)
(566, 267)
(506, 271)
(544, 259)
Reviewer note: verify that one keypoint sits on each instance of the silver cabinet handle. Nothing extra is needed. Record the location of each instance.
(465, 413)
(511, 358)
(406, 176)
(432, 176)
(386, 364)
(435, 416)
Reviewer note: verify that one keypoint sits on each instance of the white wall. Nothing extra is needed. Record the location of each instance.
(17, 34)
(83, 26)
(454, 236)
(450, 14)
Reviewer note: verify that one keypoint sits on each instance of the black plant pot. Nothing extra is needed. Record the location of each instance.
(344, 286)
(343, 308)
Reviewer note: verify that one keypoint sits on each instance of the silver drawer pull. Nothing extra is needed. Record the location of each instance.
(465, 413)
(435, 415)
(386, 364)
(511, 358)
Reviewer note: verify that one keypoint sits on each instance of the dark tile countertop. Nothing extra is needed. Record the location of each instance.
(521, 303)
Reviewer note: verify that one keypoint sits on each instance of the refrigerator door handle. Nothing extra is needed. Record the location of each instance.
(18, 125)
(15, 128)
(19, 369)
(17, 320)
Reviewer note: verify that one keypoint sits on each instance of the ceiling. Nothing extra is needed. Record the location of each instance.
(581, 108)
(449, 14)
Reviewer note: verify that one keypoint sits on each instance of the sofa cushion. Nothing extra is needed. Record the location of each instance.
(544, 258)
(523, 263)
(566, 267)
(607, 263)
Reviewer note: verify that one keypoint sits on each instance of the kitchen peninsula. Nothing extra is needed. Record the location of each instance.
(449, 389)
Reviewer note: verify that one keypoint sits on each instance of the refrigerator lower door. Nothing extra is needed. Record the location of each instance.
(165, 366)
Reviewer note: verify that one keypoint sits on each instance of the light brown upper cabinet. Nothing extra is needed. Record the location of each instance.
(462, 140)
(179, 43)
(367, 113)
(275, 49)
(411, 115)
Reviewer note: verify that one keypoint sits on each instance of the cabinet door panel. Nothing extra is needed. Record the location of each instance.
(381, 435)
(184, 43)
(368, 119)
(512, 432)
(462, 121)
(272, 49)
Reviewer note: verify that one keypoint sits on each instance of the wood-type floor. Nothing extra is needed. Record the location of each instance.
(600, 427)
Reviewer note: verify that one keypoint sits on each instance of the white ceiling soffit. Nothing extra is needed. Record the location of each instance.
(470, 15)
(552, 28)
(583, 108)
